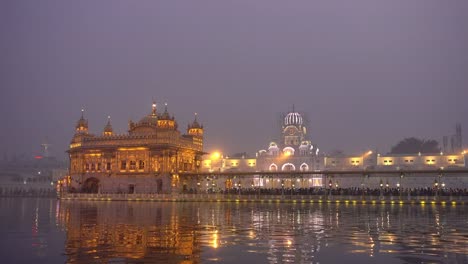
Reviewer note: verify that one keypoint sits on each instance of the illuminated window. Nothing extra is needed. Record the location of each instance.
(123, 165)
(388, 162)
(132, 164)
(108, 166)
(99, 166)
(141, 165)
(93, 166)
(87, 166)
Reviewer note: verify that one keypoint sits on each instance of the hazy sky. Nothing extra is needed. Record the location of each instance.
(365, 73)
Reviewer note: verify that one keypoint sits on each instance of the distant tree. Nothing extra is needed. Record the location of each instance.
(414, 145)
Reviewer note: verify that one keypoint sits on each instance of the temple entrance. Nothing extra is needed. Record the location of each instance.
(91, 185)
(159, 185)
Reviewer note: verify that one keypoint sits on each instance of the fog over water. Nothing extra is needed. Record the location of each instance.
(364, 73)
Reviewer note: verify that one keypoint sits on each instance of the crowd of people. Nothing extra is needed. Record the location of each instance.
(344, 191)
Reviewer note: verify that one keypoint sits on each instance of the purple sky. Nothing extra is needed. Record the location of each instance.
(365, 73)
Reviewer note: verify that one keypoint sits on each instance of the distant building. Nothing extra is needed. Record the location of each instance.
(146, 160)
(296, 152)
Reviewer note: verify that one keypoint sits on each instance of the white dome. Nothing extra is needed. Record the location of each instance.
(293, 118)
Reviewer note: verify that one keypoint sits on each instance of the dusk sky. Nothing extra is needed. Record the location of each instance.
(366, 74)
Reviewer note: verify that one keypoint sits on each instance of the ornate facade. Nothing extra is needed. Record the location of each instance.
(148, 159)
(295, 151)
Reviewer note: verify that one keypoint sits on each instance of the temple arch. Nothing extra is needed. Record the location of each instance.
(304, 167)
(288, 167)
(273, 167)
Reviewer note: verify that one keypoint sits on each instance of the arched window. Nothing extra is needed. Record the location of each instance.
(288, 151)
(273, 167)
(288, 167)
(304, 167)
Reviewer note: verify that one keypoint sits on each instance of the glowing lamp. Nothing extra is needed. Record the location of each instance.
(216, 155)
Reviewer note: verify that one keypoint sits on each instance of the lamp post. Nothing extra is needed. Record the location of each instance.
(381, 188)
(282, 187)
(400, 188)
(440, 182)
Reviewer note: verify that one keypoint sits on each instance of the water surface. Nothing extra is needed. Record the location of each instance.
(51, 231)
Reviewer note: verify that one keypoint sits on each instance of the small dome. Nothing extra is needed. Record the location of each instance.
(108, 128)
(151, 120)
(165, 115)
(293, 118)
(195, 123)
(82, 124)
(304, 145)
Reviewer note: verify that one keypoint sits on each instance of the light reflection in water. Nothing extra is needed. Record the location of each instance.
(263, 233)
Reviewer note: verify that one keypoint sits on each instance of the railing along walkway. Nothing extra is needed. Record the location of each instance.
(216, 197)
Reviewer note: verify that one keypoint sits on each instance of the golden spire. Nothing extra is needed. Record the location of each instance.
(153, 108)
(82, 124)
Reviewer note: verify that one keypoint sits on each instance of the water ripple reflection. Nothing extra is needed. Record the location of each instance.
(50, 231)
(263, 233)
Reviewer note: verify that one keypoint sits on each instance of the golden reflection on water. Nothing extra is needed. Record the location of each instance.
(139, 232)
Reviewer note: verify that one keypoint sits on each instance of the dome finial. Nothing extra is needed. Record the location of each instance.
(153, 108)
(82, 125)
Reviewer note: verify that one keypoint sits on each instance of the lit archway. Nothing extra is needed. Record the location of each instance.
(288, 151)
(288, 167)
(273, 167)
(91, 185)
(304, 167)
